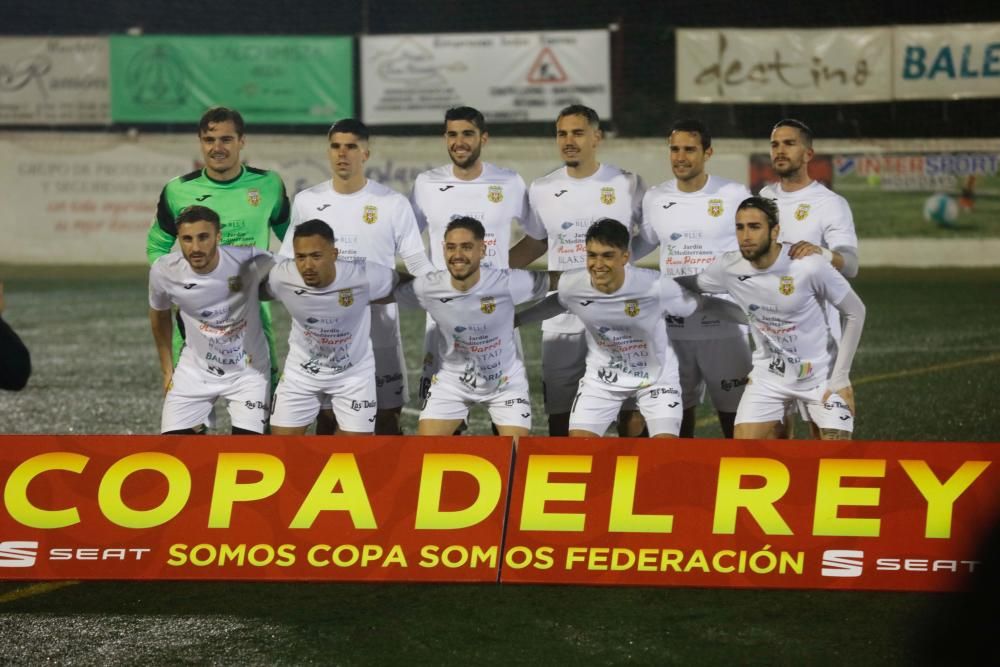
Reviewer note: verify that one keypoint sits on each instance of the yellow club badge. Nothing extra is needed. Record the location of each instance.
(715, 207)
(487, 304)
(495, 194)
(370, 214)
(802, 212)
(608, 196)
(631, 307)
(253, 197)
(786, 285)
(345, 298)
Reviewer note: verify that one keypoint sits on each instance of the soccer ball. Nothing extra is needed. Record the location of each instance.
(941, 209)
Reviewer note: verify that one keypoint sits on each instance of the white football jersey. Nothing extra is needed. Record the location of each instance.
(785, 306)
(565, 207)
(374, 224)
(692, 230)
(477, 325)
(497, 198)
(331, 325)
(627, 344)
(815, 214)
(220, 310)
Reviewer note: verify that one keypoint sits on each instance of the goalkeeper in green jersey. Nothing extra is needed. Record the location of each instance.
(250, 202)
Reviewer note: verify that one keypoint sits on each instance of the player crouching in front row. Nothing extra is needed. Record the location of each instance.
(473, 307)
(330, 355)
(622, 308)
(225, 355)
(784, 299)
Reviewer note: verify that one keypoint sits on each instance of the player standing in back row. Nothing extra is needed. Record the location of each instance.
(251, 202)
(814, 219)
(372, 223)
(470, 187)
(566, 202)
(691, 219)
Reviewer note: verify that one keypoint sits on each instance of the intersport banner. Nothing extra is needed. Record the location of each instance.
(174, 78)
(380, 509)
(761, 514)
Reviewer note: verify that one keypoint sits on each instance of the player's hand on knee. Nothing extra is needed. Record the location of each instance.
(846, 393)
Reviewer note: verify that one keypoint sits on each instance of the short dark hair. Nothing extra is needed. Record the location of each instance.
(350, 126)
(580, 110)
(198, 214)
(692, 126)
(763, 204)
(807, 134)
(314, 227)
(221, 115)
(470, 114)
(609, 232)
(471, 224)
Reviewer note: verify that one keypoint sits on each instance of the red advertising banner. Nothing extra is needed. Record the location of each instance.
(834, 515)
(349, 509)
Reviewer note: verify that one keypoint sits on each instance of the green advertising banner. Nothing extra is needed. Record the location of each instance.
(170, 78)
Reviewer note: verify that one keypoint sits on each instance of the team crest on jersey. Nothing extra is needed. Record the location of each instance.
(608, 196)
(631, 307)
(253, 197)
(345, 298)
(495, 194)
(235, 284)
(802, 212)
(786, 286)
(487, 304)
(715, 207)
(370, 214)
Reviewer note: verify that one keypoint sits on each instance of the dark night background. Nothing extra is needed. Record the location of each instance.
(642, 51)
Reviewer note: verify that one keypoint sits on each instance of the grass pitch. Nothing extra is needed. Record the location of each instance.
(928, 369)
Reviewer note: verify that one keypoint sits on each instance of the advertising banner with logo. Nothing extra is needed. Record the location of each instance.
(948, 62)
(510, 77)
(78, 201)
(784, 66)
(173, 79)
(344, 509)
(54, 81)
(860, 515)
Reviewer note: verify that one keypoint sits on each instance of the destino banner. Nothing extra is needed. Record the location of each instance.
(173, 79)
(747, 514)
(784, 66)
(337, 509)
(510, 77)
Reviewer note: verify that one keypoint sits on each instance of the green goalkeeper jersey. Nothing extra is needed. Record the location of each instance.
(249, 206)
